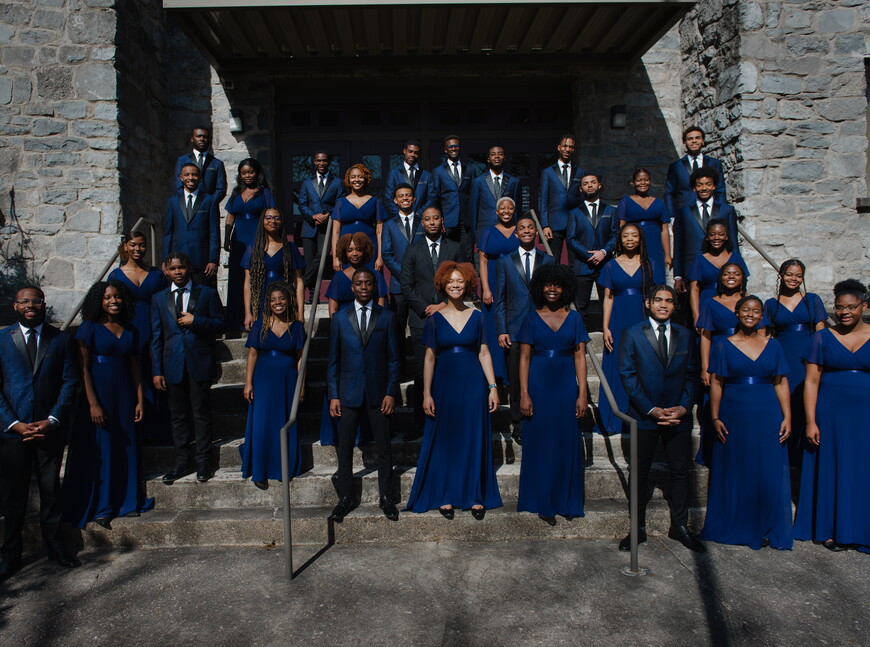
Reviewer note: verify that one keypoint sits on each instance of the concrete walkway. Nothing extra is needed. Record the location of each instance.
(554, 592)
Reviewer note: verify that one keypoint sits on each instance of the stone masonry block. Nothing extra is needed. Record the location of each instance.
(17, 56)
(778, 84)
(844, 109)
(54, 82)
(5, 90)
(58, 273)
(71, 109)
(794, 110)
(70, 245)
(42, 127)
(47, 19)
(847, 165)
(802, 170)
(96, 81)
(836, 20)
(92, 27)
(84, 220)
(88, 128)
(59, 196)
(751, 15)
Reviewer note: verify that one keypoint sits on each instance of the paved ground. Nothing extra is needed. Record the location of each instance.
(524, 593)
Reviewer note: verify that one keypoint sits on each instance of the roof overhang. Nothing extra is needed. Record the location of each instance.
(282, 34)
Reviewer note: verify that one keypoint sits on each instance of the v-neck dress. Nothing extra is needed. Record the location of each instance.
(455, 465)
(495, 245)
(749, 498)
(362, 219)
(707, 275)
(273, 270)
(551, 474)
(627, 311)
(650, 221)
(835, 481)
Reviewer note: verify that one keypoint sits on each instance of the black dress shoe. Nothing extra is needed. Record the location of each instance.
(391, 512)
(203, 476)
(9, 567)
(833, 546)
(447, 513)
(103, 522)
(262, 485)
(62, 557)
(550, 521)
(345, 505)
(173, 475)
(625, 542)
(478, 513)
(517, 434)
(687, 539)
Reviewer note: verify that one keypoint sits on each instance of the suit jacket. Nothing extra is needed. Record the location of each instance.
(213, 179)
(30, 394)
(418, 275)
(175, 350)
(689, 232)
(452, 198)
(395, 245)
(652, 381)
(363, 365)
(554, 199)
(424, 190)
(512, 301)
(200, 237)
(310, 202)
(678, 193)
(582, 236)
(481, 205)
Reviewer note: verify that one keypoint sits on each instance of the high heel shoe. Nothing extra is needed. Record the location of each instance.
(447, 513)
(103, 522)
(478, 513)
(263, 485)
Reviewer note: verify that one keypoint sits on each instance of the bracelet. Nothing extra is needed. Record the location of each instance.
(493, 386)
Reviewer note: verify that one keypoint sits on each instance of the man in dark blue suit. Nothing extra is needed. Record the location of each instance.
(191, 225)
(316, 201)
(690, 222)
(453, 190)
(362, 379)
(591, 235)
(659, 368)
(40, 374)
(411, 173)
(184, 321)
(398, 233)
(679, 191)
(559, 194)
(211, 169)
(512, 303)
(488, 188)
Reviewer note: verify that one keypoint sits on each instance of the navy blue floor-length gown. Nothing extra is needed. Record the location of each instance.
(103, 479)
(363, 219)
(455, 465)
(749, 498)
(551, 474)
(707, 275)
(273, 270)
(274, 383)
(495, 244)
(835, 482)
(650, 221)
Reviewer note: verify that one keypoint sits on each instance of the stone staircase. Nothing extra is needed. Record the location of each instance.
(231, 511)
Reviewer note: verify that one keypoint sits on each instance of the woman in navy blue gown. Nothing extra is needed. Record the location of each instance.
(496, 241)
(358, 212)
(245, 207)
(103, 478)
(650, 214)
(834, 504)
(143, 282)
(716, 250)
(625, 278)
(274, 351)
(749, 500)
(353, 252)
(794, 317)
(455, 468)
(553, 397)
(272, 257)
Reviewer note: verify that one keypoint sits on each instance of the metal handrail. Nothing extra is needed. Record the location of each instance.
(294, 412)
(543, 238)
(110, 262)
(604, 385)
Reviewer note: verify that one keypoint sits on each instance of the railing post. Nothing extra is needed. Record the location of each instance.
(758, 248)
(543, 238)
(294, 412)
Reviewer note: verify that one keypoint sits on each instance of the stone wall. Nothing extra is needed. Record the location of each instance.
(781, 87)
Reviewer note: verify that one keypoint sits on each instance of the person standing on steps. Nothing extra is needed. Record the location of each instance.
(316, 201)
(453, 191)
(212, 171)
(559, 194)
(658, 366)
(362, 380)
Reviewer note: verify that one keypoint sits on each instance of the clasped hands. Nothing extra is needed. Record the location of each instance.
(32, 430)
(668, 417)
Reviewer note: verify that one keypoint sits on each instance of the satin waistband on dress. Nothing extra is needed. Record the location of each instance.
(844, 370)
(279, 353)
(275, 275)
(748, 380)
(644, 223)
(627, 292)
(724, 332)
(561, 352)
(249, 216)
(102, 359)
(458, 349)
(793, 328)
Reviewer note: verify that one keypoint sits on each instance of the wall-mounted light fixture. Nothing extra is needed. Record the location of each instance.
(617, 117)
(237, 124)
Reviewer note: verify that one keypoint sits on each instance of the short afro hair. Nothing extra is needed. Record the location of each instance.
(447, 268)
(552, 274)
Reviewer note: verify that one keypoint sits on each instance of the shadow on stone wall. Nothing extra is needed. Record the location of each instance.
(16, 254)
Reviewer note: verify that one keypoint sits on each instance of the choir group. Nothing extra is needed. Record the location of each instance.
(773, 387)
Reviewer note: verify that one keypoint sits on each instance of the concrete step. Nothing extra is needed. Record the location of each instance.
(315, 487)
(263, 527)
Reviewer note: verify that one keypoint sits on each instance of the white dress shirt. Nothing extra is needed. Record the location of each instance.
(359, 308)
(185, 298)
(700, 158)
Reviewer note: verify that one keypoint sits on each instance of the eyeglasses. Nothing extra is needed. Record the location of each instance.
(849, 308)
(30, 302)
(272, 218)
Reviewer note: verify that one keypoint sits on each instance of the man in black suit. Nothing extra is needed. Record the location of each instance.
(184, 321)
(40, 376)
(659, 368)
(421, 260)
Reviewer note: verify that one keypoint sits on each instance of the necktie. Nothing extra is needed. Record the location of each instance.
(456, 176)
(179, 301)
(565, 175)
(363, 321)
(706, 214)
(694, 163)
(408, 227)
(496, 182)
(189, 206)
(593, 213)
(435, 255)
(31, 346)
(199, 161)
(528, 267)
(322, 187)
(663, 341)
(412, 176)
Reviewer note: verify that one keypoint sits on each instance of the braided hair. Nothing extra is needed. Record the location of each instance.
(792, 262)
(645, 267)
(289, 295)
(258, 260)
(720, 290)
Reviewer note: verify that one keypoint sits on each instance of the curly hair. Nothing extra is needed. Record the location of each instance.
(447, 268)
(259, 180)
(792, 262)
(367, 175)
(720, 288)
(92, 308)
(122, 246)
(853, 287)
(706, 248)
(552, 274)
(363, 243)
(289, 295)
(258, 260)
(645, 267)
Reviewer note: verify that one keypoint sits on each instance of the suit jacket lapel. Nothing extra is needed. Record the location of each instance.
(170, 303)
(672, 344)
(697, 214)
(18, 340)
(714, 210)
(522, 270)
(687, 165)
(48, 333)
(490, 184)
(367, 333)
(182, 206)
(350, 313)
(194, 295)
(654, 342)
(200, 196)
